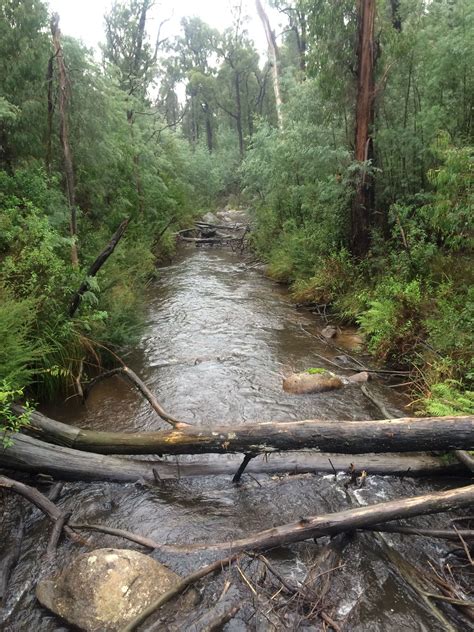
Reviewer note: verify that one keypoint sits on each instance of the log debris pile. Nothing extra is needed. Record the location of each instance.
(210, 234)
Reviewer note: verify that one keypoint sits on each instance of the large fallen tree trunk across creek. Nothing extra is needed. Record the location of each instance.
(343, 437)
(28, 454)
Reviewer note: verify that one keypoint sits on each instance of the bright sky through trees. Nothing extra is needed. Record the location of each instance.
(84, 19)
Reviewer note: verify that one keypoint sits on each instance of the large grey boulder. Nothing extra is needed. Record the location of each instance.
(103, 590)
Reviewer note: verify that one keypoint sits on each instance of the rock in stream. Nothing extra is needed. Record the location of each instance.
(103, 590)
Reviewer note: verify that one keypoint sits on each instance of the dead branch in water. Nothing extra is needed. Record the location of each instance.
(42, 502)
(28, 454)
(132, 377)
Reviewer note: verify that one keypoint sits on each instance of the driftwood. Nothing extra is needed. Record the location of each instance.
(28, 454)
(96, 266)
(343, 437)
(216, 618)
(461, 455)
(210, 240)
(41, 501)
(465, 458)
(348, 520)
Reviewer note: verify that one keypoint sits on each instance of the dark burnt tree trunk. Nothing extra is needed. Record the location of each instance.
(363, 200)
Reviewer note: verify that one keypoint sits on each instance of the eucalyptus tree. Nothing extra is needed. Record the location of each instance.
(195, 51)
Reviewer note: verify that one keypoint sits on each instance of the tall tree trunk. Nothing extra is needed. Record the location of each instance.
(138, 46)
(273, 50)
(64, 134)
(209, 134)
(49, 133)
(238, 118)
(363, 201)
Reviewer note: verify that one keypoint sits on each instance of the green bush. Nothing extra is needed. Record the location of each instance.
(393, 322)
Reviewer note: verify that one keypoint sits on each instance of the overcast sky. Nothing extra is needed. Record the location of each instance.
(83, 19)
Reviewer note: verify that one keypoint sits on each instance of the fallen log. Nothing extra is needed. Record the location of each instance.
(465, 458)
(343, 437)
(344, 521)
(28, 454)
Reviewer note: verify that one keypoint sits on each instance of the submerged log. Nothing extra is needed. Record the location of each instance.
(348, 520)
(343, 437)
(28, 454)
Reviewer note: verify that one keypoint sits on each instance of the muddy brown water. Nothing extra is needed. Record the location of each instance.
(218, 340)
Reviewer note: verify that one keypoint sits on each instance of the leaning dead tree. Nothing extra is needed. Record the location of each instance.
(96, 266)
(344, 437)
(63, 106)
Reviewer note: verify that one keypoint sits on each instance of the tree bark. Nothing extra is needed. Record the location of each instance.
(273, 50)
(363, 201)
(96, 266)
(28, 454)
(343, 437)
(63, 104)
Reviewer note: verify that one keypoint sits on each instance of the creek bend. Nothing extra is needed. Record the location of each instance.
(218, 340)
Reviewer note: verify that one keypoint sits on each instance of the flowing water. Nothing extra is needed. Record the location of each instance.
(218, 340)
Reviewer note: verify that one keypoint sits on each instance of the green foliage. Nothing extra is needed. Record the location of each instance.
(18, 353)
(316, 371)
(449, 398)
(9, 422)
(393, 321)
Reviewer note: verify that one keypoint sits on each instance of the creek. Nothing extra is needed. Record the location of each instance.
(218, 340)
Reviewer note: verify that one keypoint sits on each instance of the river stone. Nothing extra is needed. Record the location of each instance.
(359, 378)
(329, 332)
(299, 383)
(103, 590)
(210, 218)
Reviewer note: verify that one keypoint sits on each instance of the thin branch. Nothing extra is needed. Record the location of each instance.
(133, 378)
